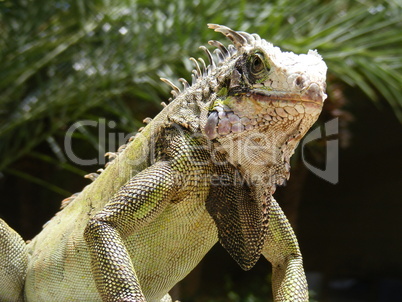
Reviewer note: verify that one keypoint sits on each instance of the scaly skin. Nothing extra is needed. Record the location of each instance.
(204, 170)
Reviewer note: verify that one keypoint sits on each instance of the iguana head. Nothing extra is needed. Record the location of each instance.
(266, 100)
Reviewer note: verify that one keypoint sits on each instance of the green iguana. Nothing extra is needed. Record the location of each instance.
(203, 170)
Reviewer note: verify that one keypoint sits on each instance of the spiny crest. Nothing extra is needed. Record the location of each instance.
(241, 41)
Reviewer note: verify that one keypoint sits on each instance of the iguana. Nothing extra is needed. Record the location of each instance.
(202, 171)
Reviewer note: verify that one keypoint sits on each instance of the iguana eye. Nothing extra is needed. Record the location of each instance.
(257, 65)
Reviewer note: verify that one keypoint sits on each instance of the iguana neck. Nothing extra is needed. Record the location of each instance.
(189, 107)
(263, 158)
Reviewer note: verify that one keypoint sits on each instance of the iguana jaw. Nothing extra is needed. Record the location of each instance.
(312, 94)
(258, 108)
(259, 128)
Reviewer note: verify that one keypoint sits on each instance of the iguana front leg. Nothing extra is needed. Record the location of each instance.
(135, 204)
(282, 250)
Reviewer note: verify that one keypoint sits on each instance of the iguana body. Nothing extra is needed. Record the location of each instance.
(203, 170)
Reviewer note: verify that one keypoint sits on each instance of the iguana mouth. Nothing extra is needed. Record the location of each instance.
(312, 94)
(273, 107)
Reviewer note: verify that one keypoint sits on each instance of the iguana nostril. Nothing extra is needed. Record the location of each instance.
(300, 81)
